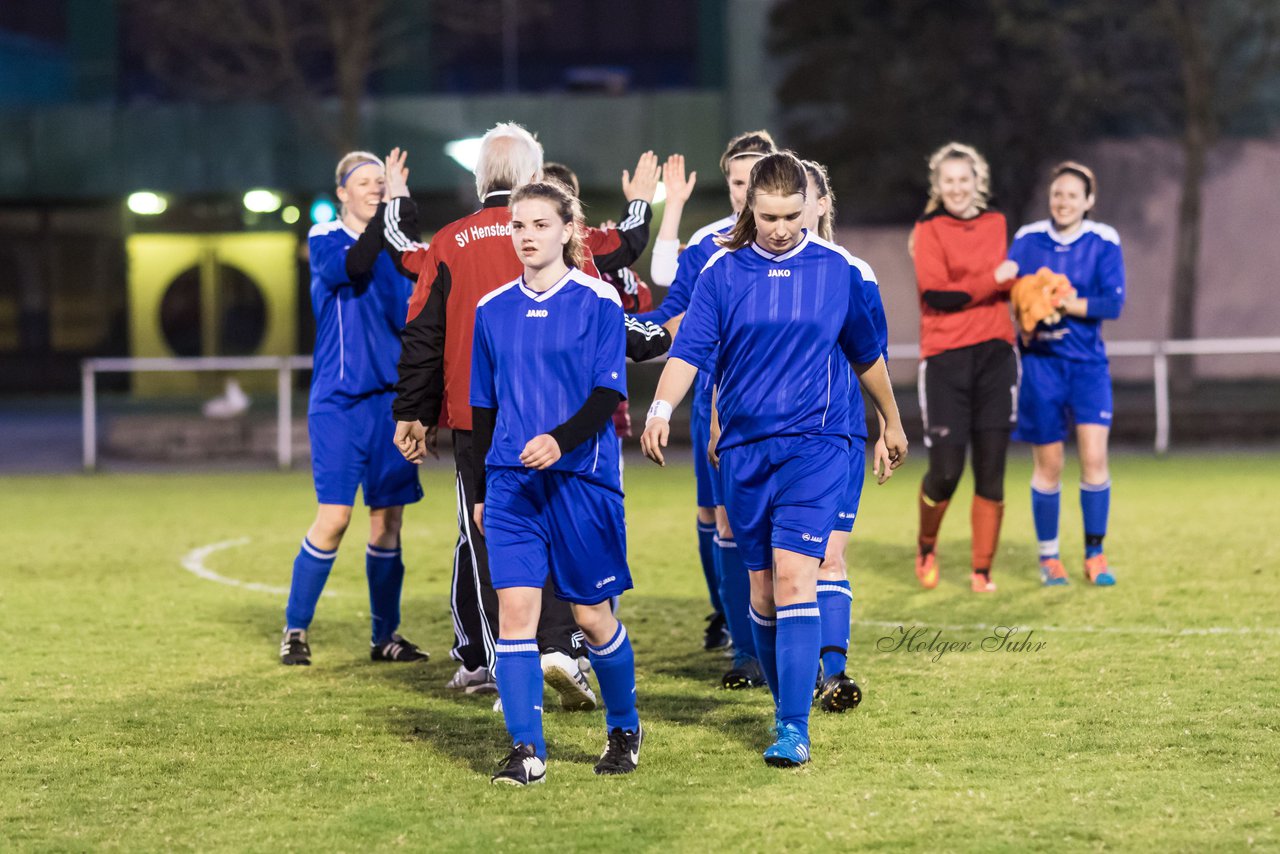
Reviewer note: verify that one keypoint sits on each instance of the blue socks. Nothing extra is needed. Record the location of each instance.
(735, 595)
(798, 632)
(1044, 510)
(1095, 505)
(615, 667)
(310, 572)
(518, 673)
(765, 632)
(835, 601)
(385, 571)
(706, 552)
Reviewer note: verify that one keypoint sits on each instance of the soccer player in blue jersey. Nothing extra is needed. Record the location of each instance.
(837, 692)
(779, 314)
(359, 298)
(1065, 375)
(548, 368)
(726, 580)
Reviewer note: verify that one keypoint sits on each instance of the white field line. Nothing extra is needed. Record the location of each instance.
(1089, 630)
(193, 562)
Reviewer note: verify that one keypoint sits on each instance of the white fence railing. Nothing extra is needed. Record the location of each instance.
(284, 366)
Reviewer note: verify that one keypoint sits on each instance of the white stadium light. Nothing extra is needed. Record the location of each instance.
(322, 210)
(291, 214)
(660, 194)
(465, 152)
(262, 201)
(145, 203)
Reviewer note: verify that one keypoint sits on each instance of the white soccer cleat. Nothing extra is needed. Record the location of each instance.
(233, 403)
(563, 673)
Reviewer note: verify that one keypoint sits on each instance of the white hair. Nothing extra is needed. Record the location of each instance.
(510, 157)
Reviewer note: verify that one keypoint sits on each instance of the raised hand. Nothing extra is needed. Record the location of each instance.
(679, 188)
(644, 183)
(397, 174)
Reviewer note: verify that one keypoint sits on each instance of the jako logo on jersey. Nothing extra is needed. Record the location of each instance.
(775, 273)
(537, 312)
(602, 582)
(810, 538)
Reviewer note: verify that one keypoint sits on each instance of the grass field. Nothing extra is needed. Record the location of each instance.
(143, 708)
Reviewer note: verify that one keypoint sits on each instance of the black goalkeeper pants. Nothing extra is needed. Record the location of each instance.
(473, 602)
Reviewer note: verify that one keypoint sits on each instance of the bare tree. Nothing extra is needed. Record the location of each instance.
(303, 53)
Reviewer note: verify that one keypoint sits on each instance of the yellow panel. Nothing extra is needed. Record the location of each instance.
(268, 258)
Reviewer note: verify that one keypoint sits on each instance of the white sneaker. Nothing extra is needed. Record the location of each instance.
(564, 674)
(497, 705)
(233, 402)
(478, 681)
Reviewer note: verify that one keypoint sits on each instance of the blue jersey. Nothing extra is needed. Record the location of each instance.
(858, 410)
(1092, 260)
(781, 330)
(537, 356)
(695, 256)
(357, 323)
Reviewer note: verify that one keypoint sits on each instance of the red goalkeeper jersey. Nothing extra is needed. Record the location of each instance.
(960, 302)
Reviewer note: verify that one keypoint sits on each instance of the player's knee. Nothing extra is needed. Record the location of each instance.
(706, 515)
(331, 523)
(384, 527)
(833, 568)
(596, 621)
(723, 530)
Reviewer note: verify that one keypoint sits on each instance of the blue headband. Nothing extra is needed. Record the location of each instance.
(343, 182)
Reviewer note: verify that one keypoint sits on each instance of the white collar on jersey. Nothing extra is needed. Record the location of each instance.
(790, 253)
(1067, 241)
(549, 292)
(493, 193)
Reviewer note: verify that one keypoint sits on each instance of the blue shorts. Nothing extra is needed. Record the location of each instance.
(853, 493)
(700, 435)
(783, 493)
(355, 447)
(537, 522)
(1056, 392)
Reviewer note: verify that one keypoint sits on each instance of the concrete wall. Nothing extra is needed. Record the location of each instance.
(1139, 191)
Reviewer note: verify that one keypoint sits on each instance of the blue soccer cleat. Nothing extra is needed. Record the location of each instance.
(790, 750)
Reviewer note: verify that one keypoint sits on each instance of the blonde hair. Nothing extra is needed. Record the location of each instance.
(509, 156)
(818, 172)
(566, 207)
(780, 174)
(958, 151)
(753, 142)
(352, 161)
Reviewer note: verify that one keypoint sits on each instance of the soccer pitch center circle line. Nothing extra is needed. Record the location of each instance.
(193, 562)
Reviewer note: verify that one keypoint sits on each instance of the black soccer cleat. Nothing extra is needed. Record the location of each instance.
(621, 752)
(745, 676)
(839, 694)
(717, 633)
(521, 767)
(398, 649)
(294, 648)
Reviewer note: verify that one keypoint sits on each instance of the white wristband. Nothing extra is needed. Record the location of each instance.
(660, 409)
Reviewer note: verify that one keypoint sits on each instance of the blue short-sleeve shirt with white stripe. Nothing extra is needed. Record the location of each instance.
(357, 322)
(780, 331)
(536, 358)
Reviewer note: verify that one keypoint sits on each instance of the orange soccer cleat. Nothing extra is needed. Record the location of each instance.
(1052, 572)
(927, 570)
(1097, 571)
(980, 582)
